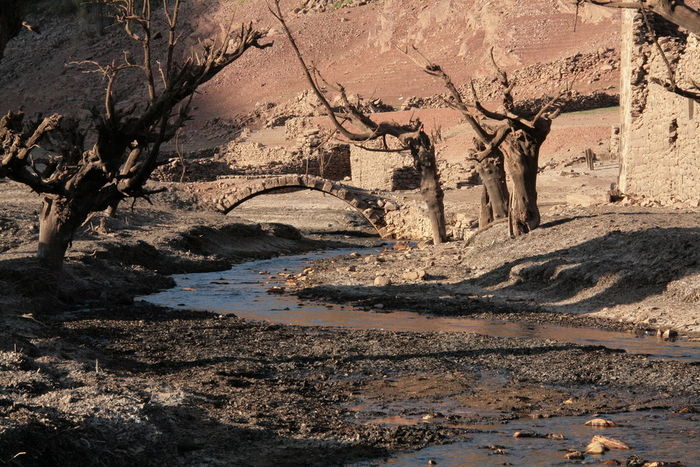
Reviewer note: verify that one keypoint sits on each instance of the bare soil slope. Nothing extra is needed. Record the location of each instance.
(352, 45)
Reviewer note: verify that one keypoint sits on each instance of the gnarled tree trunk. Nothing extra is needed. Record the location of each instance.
(522, 151)
(494, 194)
(423, 153)
(57, 224)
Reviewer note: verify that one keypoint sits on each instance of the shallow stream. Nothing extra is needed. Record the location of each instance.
(242, 290)
(655, 435)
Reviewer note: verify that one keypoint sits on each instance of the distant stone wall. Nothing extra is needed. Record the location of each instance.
(388, 171)
(330, 161)
(660, 131)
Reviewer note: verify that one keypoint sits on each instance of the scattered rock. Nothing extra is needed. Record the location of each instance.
(188, 289)
(414, 275)
(601, 423)
(276, 290)
(574, 455)
(667, 334)
(390, 206)
(596, 448)
(687, 409)
(382, 281)
(609, 443)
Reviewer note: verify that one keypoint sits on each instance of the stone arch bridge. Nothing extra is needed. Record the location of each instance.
(372, 206)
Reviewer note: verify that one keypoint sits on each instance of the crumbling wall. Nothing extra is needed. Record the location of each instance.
(660, 131)
(373, 170)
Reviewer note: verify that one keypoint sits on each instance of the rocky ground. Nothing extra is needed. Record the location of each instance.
(629, 264)
(89, 376)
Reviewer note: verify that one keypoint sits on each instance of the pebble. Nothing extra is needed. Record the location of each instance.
(609, 443)
(596, 448)
(382, 281)
(574, 455)
(601, 422)
(414, 275)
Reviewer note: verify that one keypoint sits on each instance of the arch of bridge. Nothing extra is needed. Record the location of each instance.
(365, 203)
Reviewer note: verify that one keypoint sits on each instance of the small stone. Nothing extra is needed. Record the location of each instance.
(609, 443)
(596, 448)
(188, 289)
(523, 434)
(352, 269)
(601, 422)
(382, 281)
(432, 462)
(390, 206)
(355, 254)
(414, 275)
(556, 436)
(275, 290)
(611, 462)
(574, 455)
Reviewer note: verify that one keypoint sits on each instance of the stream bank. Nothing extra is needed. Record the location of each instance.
(104, 380)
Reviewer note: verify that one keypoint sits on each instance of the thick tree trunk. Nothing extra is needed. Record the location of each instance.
(494, 197)
(430, 189)
(433, 196)
(522, 158)
(57, 224)
(524, 213)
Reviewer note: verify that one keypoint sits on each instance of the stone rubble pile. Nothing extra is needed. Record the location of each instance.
(319, 6)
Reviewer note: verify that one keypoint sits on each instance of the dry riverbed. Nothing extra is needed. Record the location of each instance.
(88, 376)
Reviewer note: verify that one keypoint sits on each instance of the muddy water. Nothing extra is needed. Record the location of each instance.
(651, 435)
(242, 291)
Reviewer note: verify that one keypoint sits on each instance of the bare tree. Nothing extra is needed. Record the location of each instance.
(486, 153)
(675, 11)
(518, 137)
(522, 150)
(75, 181)
(411, 136)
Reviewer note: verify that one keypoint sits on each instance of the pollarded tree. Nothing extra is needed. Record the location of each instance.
(411, 136)
(486, 152)
(515, 137)
(76, 181)
(521, 148)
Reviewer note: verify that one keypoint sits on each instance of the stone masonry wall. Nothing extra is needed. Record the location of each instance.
(389, 171)
(660, 131)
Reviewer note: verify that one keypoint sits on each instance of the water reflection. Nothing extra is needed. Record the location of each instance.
(242, 290)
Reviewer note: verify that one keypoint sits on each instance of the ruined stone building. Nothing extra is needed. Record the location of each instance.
(660, 131)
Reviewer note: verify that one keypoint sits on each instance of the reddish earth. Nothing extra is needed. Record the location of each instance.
(351, 45)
